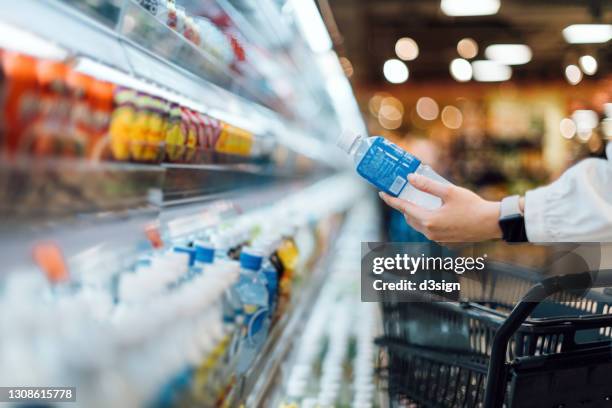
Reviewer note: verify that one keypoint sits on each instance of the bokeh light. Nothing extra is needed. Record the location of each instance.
(407, 49)
(391, 113)
(427, 108)
(461, 70)
(395, 71)
(588, 63)
(573, 74)
(467, 48)
(375, 101)
(567, 127)
(451, 117)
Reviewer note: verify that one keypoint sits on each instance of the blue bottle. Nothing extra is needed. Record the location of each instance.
(387, 166)
(253, 293)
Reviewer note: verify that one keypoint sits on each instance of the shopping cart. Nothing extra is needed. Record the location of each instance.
(442, 354)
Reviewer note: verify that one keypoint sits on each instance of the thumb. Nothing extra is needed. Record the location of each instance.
(429, 186)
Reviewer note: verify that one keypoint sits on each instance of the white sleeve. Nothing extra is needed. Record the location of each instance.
(575, 208)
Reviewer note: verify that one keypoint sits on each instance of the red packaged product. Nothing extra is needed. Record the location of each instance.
(44, 137)
(212, 128)
(21, 94)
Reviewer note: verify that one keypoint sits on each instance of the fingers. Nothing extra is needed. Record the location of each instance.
(409, 209)
(429, 186)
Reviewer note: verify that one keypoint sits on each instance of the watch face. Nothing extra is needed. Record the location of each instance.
(513, 228)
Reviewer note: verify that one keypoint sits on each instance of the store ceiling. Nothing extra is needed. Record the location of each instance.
(369, 29)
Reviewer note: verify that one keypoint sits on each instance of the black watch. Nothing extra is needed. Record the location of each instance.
(511, 220)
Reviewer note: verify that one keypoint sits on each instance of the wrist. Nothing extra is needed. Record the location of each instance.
(491, 221)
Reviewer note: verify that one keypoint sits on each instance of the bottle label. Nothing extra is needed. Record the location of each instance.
(387, 166)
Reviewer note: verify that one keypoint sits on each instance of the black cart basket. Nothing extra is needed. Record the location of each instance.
(553, 354)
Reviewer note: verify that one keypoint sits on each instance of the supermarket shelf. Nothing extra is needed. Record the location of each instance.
(151, 53)
(120, 50)
(41, 192)
(115, 239)
(192, 183)
(53, 190)
(254, 387)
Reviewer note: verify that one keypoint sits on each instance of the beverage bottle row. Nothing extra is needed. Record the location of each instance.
(49, 109)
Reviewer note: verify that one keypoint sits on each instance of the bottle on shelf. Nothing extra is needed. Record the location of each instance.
(254, 296)
(387, 166)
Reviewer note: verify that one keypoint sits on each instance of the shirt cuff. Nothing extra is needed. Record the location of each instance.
(535, 222)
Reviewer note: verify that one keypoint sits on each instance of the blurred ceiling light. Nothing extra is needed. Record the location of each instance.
(509, 54)
(458, 8)
(567, 128)
(347, 67)
(491, 71)
(451, 117)
(588, 64)
(407, 49)
(395, 71)
(467, 48)
(588, 33)
(427, 108)
(573, 74)
(311, 25)
(16, 39)
(461, 70)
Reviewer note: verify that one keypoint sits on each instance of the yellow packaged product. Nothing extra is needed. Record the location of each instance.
(233, 140)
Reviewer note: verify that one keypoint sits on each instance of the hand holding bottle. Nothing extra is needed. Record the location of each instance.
(463, 217)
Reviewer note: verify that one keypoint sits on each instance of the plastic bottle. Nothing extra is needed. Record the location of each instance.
(387, 166)
(253, 292)
(268, 246)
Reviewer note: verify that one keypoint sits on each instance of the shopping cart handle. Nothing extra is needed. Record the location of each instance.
(496, 375)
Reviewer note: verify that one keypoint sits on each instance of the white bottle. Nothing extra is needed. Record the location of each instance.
(387, 166)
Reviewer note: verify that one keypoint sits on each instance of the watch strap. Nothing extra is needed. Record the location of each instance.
(511, 220)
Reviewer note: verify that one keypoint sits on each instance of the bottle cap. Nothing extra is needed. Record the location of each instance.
(187, 250)
(346, 139)
(205, 251)
(250, 259)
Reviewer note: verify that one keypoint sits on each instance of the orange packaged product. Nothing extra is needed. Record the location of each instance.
(20, 99)
(122, 123)
(48, 131)
(101, 99)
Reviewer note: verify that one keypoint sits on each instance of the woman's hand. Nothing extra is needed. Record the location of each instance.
(463, 217)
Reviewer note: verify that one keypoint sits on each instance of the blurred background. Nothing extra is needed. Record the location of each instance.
(178, 226)
(507, 93)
